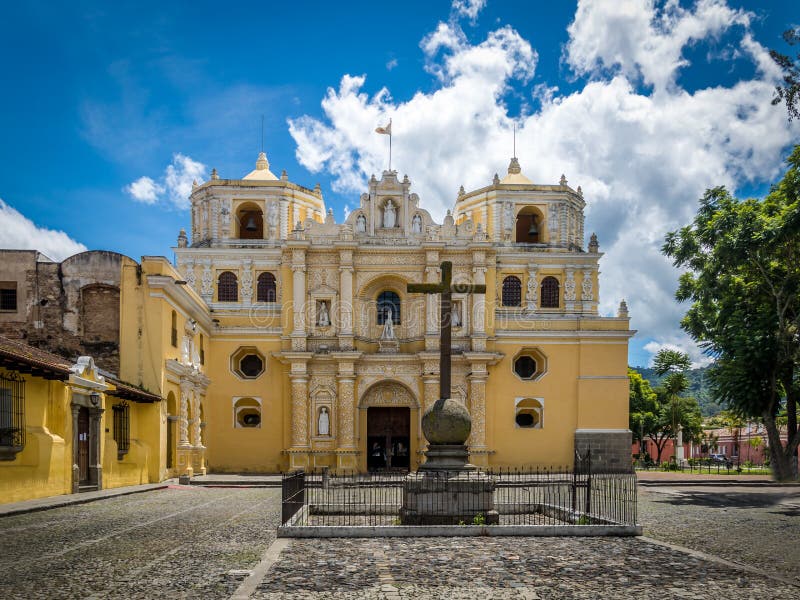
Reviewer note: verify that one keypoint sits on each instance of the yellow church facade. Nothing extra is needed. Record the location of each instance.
(316, 356)
(279, 339)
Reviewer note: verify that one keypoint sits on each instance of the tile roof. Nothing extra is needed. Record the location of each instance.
(19, 356)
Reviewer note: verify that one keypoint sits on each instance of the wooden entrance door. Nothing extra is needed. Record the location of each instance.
(83, 445)
(388, 438)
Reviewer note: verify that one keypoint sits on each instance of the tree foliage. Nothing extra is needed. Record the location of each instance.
(789, 90)
(743, 280)
(661, 413)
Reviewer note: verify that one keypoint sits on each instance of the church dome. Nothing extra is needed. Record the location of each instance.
(515, 175)
(262, 172)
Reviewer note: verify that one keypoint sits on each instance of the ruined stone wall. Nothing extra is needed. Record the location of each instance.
(70, 308)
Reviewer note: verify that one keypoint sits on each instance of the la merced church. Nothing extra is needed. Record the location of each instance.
(317, 355)
(280, 339)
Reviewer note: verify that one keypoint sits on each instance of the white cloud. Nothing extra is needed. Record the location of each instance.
(17, 232)
(391, 64)
(632, 36)
(144, 190)
(468, 8)
(643, 158)
(175, 186)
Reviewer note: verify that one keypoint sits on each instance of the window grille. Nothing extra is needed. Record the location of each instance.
(8, 295)
(122, 429)
(265, 291)
(386, 301)
(550, 292)
(227, 287)
(512, 291)
(12, 415)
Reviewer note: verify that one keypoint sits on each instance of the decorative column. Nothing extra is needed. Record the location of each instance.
(299, 301)
(587, 291)
(532, 293)
(346, 453)
(207, 281)
(183, 420)
(195, 438)
(569, 290)
(346, 301)
(479, 308)
(477, 410)
(298, 452)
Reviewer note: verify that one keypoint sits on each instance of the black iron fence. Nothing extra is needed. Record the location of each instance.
(534, 496)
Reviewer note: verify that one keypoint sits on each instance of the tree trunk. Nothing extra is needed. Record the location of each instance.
(783, 460)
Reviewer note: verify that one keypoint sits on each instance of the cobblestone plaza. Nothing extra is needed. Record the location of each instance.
(193, 542)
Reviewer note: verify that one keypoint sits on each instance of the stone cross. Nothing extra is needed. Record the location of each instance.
(445, 288)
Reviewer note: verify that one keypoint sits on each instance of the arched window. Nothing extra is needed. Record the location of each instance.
(527, 228)
(227, 287)
(387, 301)
(246, 413)
(512, 291)
(529, 413)
(265, 290)
(549, 292)
(251, 223)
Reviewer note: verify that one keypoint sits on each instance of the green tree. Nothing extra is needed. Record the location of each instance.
(789, 90)
(743, 279)
(643, 407)
(659, 414)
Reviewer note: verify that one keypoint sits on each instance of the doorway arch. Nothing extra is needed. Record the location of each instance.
(389, 427)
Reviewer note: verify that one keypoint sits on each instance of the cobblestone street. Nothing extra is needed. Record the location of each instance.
(202, 542)
(171, 543)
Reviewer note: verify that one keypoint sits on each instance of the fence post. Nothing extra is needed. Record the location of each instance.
(588, 481)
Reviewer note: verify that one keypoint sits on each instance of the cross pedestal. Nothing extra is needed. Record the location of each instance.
(447, 490)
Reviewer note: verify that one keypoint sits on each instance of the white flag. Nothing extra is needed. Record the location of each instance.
(385, 130)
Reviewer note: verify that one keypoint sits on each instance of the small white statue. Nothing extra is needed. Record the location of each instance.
(388, 326)
(389, 214)
(455, 315)
(324, 319)
(361, 224)
(416, 224)
(324, 421)
(272, 215)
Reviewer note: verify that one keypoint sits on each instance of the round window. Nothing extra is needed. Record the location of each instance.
(251, 365)
(525, 367)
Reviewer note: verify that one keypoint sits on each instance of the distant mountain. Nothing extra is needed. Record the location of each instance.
(698, 388)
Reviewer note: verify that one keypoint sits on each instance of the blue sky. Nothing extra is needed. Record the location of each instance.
(99, 95)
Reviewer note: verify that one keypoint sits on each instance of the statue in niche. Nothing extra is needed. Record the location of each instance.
(389, 214)
(272, 219)
(388, 326)
(361, 224)
(455, 318)
(324, 318)
(416, 224)
(324, 422)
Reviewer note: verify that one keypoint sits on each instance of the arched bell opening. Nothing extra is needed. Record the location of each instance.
(529, 226)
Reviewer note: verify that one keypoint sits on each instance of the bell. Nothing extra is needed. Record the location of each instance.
(533, 230)
(251, 224)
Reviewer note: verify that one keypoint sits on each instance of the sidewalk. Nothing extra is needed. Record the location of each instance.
(37, 504)
(676, 477)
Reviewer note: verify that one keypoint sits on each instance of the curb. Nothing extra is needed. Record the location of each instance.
(727, 483)
(71, 499)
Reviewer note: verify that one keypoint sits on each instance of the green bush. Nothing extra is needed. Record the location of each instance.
(479, 519)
